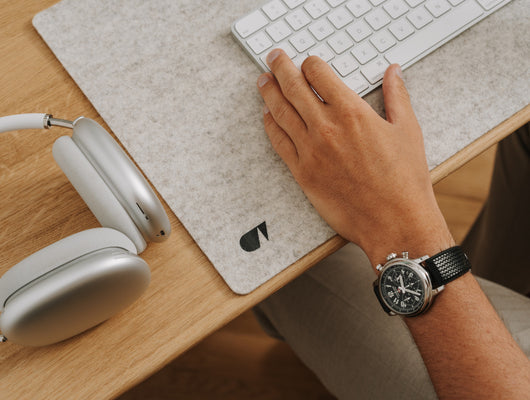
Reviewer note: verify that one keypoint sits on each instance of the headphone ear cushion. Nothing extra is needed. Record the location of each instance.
(94, 191)
(70, 286)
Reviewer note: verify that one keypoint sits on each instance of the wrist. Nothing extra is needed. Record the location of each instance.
(428, 237)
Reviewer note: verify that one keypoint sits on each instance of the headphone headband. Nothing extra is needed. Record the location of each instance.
(31, 121)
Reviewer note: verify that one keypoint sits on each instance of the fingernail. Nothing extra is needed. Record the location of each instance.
(263, 79)
(273, 55)
(398, 71)
(265, 109)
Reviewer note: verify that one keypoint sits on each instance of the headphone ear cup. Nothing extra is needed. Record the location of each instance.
(123, 178)
(94, 191)
(70, 286)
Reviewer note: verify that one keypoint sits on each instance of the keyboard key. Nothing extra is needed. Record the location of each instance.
(457, 2)
(488, 4)
(340, 42)
(377, 19)
(253, 22)
(285, 47)
(299, 60)
(356, 83)
(401, 29)
(274, 9)
(340, 17)
(358, 7)
(434, 33)
(414, 3)
(293, 3)
(377, 2)
(302, 41)
(321, 29)
(323, 52)
(335, 3)
(364, 52)
(395, 8)
(383, 41)
(298, 19)
(359, 30)
(419, 17)
(316, 8)
(375, 70)
(345, 64)
(259, 43)
(279, 31)
(437, 7)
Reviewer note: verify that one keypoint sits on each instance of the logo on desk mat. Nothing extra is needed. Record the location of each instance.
(250, 240)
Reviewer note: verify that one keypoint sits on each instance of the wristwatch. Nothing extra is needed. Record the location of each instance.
(407, 287)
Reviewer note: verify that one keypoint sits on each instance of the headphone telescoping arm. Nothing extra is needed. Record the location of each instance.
(31, 121)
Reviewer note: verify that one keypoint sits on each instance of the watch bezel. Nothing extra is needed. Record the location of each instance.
(424, 278)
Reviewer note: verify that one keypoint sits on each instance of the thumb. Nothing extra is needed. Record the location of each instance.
(397, 101)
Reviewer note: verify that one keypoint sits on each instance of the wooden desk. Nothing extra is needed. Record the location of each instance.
(187, 300)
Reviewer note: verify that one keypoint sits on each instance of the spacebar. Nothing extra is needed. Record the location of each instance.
(434, 33)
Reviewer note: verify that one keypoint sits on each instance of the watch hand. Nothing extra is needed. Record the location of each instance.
(411, 291)
(402, 284)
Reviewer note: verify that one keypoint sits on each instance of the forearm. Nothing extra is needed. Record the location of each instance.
(466, 348)
(468, 351)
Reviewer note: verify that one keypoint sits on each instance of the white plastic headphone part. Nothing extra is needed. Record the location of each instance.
(59, 253)
(22, 121)
(74, 297)
(123, 178)
(96, 194)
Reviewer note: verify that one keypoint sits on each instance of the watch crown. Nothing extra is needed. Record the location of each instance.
(405, 254)
(391, 256)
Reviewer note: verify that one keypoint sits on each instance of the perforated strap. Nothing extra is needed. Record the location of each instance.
(447, 266)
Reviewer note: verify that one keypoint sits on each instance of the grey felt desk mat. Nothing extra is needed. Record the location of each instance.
(180, 94)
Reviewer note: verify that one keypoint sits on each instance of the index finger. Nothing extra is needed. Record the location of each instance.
(294, 86)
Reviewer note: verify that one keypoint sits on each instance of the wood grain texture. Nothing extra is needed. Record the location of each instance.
(237, 362)
(187, 300)
(461, 195)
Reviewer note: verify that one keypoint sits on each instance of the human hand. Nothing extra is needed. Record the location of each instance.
(366, 176)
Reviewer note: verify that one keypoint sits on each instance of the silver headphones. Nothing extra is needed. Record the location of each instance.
(83, 279)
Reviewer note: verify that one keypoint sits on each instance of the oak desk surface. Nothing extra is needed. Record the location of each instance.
(186, 301)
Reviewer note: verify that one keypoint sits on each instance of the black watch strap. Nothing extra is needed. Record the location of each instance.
(447, 266)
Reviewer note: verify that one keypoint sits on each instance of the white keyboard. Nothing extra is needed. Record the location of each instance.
(358, 38)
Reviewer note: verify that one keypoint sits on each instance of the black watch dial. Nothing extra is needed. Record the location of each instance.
(402, 289)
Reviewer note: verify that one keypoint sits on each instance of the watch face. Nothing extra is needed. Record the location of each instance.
(402, 289)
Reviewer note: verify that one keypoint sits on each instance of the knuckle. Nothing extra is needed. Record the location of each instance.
(310, 63)
(312, 161)
(278, 142)
(292, 87)
(355, 116)
(281, 112)
(312, 68)
(268, 121)
(327, 129)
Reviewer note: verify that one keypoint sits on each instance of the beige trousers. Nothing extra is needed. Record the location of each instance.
(332, 320)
